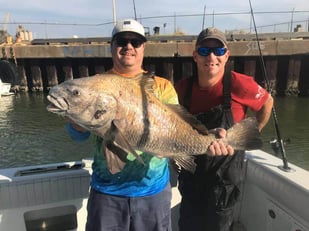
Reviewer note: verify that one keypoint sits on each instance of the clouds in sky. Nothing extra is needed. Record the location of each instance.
(94, 18)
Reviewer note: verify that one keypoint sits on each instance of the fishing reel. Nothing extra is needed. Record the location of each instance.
(275, 145)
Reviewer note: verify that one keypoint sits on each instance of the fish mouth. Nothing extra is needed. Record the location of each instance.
(57, 105)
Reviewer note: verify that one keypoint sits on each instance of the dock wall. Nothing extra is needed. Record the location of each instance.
(41, 66)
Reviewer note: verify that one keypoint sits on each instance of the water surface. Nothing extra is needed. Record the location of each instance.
(31, 135)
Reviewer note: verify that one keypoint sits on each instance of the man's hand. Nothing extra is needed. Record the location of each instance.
(218, 148)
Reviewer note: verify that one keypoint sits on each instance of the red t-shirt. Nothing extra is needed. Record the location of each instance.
(245, 93)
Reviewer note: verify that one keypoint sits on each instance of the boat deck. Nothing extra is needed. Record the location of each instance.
(55, 195)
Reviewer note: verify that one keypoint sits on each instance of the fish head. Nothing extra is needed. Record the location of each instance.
(81, 101)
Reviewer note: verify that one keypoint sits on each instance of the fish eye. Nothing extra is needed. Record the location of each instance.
(76, 92)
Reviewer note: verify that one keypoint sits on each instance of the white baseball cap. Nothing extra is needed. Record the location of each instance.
(129, 25)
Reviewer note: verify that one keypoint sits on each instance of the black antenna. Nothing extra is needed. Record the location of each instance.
(285, 166)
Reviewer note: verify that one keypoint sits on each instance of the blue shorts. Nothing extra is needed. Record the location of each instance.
(114, 213)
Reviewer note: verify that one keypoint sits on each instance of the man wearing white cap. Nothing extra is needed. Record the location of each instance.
(137, 198)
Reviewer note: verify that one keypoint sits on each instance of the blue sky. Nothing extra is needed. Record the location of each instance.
(94, 18)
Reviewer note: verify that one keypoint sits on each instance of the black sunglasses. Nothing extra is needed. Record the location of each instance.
(205, 51)
(122, 42)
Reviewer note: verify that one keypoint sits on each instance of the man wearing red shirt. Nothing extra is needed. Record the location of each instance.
(219, 98)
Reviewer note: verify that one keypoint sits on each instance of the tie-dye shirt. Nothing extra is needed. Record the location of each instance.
(136, 179)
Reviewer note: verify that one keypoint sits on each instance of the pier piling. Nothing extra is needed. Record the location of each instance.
(42, 64)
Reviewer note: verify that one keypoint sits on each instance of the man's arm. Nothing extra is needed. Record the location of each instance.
(264, 113)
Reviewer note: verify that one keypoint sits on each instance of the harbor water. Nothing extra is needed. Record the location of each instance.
(30, 135)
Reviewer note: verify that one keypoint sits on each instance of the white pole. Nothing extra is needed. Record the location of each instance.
(114, 13)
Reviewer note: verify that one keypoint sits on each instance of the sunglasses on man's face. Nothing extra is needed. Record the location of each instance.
(135, 42)
(205, 51)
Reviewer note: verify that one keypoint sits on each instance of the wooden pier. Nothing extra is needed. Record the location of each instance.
(41, 64)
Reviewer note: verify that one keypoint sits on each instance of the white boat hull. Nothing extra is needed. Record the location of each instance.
(274, 200)
(55, 195)
(37, 197)
(5, 89)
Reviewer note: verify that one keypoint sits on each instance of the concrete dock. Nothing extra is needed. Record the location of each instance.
(41, 64)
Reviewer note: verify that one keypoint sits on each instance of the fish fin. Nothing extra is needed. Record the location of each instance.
(146, 81)
(114, 163)
(189, 118)
(186, 162)
(118, 151)
(244, 135)
(122, 142)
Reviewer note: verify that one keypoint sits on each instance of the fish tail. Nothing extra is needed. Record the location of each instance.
(244, 135)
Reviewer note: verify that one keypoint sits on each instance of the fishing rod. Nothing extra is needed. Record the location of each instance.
(279, 141)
